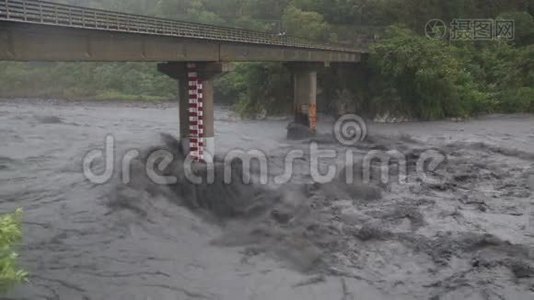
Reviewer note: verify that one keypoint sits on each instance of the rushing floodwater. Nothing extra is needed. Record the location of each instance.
(468, 238)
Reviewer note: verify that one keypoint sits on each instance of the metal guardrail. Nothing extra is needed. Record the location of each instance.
(48, 13)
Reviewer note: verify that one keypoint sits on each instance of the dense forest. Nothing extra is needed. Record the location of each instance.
(405, 74)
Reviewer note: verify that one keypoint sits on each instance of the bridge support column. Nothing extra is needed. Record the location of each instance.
(206, 73)
(305, 94)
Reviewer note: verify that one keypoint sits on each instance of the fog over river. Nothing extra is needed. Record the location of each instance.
(470, 236)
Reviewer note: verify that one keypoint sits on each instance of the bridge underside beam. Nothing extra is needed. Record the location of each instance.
(33, 42)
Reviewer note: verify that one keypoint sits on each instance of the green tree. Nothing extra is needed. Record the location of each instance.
(10, 236)
(428, 80)
(524, 26)
(261, 88)
(305, 24)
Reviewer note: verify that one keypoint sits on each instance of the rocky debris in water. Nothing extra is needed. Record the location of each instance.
(346, 186)
(485, 247)
(49, 119)
(301, 253)
(476, 201)
(6, 162)
(125, 200)
(225, 200)
(297, 131)
(291, 204)
(372, 232)
(401, 212)
(356, 191)
(353, 216)
(312, 281)
(490, 149)
(522, 269)
(281, 217)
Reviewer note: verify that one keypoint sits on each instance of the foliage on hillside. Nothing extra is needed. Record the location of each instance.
(84, 80)
(258, 88)
(10, 236)
(424, 77)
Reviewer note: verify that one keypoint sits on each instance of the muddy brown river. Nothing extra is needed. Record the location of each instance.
(469, 235)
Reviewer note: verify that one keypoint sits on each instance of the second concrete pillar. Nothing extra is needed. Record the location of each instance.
(305, 94)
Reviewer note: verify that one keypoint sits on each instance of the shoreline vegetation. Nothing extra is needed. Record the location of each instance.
(406, 75)
(10, 237)
(111, 96)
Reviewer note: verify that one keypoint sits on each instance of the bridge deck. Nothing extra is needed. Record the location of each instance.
(73, 17)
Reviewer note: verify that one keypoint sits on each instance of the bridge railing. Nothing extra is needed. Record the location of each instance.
(48, 13)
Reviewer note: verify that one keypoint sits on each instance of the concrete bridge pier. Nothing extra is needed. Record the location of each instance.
(305, 94)
(206, 71)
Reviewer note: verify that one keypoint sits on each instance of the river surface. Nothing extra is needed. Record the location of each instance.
(468, 237)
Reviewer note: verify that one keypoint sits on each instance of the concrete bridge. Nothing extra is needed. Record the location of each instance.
(193, 54)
